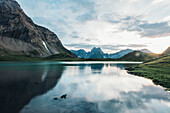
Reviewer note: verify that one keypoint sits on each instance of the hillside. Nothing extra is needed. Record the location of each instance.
(120, 53)
(167, 51)
(158, 70)
(20, 36)
(138, 56)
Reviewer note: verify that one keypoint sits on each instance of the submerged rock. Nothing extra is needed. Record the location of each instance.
(64, 96)
(55, 98)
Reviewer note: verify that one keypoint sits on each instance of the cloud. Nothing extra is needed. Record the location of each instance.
(100, 22)
(85, 17)
(159, 1)
(154, 30)
(136, 45)
(74, 34)
(137, 101)
(144, 28)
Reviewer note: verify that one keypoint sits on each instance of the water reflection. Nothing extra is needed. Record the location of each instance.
(143, 101)
(101, 88)
(20, 83)
(91, 88)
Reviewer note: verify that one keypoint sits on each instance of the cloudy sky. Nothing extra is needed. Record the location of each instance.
(110, 24)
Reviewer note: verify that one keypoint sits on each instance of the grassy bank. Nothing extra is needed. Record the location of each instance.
(158, 70)
(19, 58)
(59, 58)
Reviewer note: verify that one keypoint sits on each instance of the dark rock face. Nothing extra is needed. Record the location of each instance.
(96, 53)
(80, 53)
(18, 33)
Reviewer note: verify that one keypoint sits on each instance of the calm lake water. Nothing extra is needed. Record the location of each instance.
(91, 87)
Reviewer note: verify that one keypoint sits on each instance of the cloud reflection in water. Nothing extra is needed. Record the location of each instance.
(102, 88)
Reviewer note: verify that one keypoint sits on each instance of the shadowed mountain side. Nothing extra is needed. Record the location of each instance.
(138, 56)
(22, 83)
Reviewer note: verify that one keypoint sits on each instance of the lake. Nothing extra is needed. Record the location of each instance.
(91, 87)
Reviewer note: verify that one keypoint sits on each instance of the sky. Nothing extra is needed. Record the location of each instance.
(112, 25)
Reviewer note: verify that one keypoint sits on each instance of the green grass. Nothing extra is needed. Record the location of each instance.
(158, 70)
(19, 58)
(60, 57)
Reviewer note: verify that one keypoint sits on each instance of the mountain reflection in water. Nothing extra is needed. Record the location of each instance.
(91, 88)
(20, 83)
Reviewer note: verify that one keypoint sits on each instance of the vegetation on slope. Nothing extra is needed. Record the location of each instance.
(167, 51)
(158, 70)
(138, 56)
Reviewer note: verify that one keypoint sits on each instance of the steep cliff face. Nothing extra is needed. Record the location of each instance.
(19, 34)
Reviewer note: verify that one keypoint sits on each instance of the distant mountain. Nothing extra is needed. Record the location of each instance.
(120, 53)
(98, 53)
(94, 53)
(138, 56)
(80, 53)
(20, 36)
(167, 51)
(145, 51)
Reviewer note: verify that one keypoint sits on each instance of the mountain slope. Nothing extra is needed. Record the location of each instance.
(167, 51)
(20, 35)
(138, 56)
(80, 53)
(120, 53)
(95, 53)
(145, 51)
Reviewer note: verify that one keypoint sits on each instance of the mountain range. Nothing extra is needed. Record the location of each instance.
(98, 53)
(19, 35)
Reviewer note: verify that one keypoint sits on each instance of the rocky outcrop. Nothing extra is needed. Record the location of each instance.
(19, 34)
